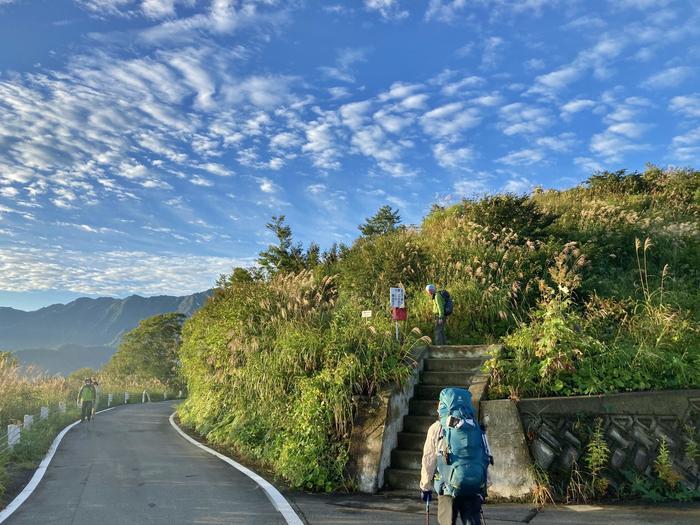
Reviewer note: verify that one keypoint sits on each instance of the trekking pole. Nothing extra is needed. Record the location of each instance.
(483, 519)
(427, 512)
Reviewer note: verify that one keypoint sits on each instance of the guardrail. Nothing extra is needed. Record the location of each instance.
(13, 434)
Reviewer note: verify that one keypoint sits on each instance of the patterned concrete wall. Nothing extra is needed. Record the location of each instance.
(634, 424)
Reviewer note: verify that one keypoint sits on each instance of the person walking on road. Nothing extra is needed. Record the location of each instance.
(440, 313)
(95, 403)
(86, 398)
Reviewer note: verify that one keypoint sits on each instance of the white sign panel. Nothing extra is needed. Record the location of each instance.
(366, 313)
(396, 296)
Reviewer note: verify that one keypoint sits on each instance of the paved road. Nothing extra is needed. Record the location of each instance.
(129, 467)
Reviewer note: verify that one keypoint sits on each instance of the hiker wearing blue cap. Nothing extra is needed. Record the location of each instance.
(442, 307)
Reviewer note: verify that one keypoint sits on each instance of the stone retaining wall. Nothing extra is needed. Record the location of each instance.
(634, 425)
(376, 427)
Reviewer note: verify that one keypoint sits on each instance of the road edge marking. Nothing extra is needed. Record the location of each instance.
(39, 472)
(274, 495)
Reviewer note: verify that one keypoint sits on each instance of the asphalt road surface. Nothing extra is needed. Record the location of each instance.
(129, 467)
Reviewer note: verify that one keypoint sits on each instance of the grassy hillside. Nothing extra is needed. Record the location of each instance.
(579, 284)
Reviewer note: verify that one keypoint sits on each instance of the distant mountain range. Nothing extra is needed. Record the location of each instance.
(64, 337)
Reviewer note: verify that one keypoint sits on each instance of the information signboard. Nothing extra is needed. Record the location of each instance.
(397, 298)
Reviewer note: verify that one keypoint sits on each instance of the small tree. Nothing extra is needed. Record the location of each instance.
(385, 220)
(283, 256)
(150, 351)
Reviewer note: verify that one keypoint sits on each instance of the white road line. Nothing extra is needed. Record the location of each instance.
(281, 504)
(39, 473)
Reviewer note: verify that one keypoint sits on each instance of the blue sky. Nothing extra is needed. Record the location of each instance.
(144, 144)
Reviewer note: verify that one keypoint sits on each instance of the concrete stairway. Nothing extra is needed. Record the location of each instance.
(445, 366)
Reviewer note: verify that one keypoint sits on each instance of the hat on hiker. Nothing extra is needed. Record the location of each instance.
(430, 288)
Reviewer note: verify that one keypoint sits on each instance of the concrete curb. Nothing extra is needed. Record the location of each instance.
(40, 471)
(274, 495)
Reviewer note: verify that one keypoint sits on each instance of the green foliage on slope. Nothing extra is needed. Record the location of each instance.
(272, 368)
(149, 352)
(275, 361)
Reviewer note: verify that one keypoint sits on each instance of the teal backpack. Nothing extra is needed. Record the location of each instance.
(465, 456)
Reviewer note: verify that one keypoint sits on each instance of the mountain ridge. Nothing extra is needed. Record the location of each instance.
(87, 321)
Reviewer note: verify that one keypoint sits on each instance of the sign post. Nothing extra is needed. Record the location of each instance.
(397, 300)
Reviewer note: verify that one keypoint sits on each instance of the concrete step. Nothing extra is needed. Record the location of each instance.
(430, 392)
(462, 351)
(419, 407)
(446, 378)
(472, 364)
(406, 459)
(402, 479)
(418, 424)
(411, 440)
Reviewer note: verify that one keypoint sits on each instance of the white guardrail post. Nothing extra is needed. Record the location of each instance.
(13, 435)
(44, 413)
(126, 397)
(28, 421)
(109, 400)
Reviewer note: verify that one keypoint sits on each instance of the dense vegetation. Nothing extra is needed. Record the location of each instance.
(592, 289)
(149, 353)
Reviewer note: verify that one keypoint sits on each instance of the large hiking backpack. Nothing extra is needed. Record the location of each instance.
(463, 454)
(449, 306)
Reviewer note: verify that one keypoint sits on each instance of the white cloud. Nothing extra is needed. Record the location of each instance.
(519, 118)
(687, 105)
(338, 92)
(577, 105)
(588, 164)
(523, 157)
(355, 114)
(454, 88)
(267, 186)
(453, 158)
(449, 11)
(345, 60)
(518, 185)
(561, 143)
(670, 77)
(321, 144)
(389, 9)
(215, 169)
(613, 146)
(316, 189)
(534, 64)
(596, 59)
(400, 90)
(492, 52)
(471, 187)
(686, 147)
(109, 272)
(450, 119)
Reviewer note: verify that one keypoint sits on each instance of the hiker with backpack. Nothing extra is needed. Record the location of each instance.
(455, 460)
(442, 307)
(86, 398)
